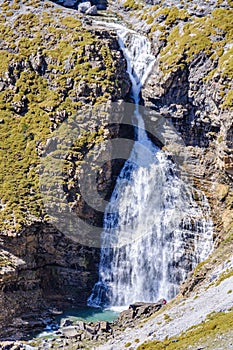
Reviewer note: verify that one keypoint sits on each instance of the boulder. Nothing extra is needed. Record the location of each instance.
(126, 315)
(90, 329)
(84, 6)
(92, 11)
(139, 310)
(70, 332)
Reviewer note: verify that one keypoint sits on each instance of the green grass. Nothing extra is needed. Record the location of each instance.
(224, 276)
(132, 4)
(4, 261)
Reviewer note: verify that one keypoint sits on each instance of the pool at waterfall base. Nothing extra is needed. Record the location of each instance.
(85, 314)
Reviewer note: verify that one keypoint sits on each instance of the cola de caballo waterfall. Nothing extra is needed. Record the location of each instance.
(154, 231)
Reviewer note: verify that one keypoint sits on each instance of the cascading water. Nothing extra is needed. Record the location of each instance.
(154, 232)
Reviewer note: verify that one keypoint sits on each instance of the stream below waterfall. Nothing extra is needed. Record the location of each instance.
(154, 231)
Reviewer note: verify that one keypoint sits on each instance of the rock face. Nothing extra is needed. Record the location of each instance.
(40, 267)
(51, 271)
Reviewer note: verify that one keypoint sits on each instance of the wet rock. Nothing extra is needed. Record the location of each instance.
(100, 4)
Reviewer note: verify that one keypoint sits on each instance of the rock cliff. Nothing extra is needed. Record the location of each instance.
(55, 66)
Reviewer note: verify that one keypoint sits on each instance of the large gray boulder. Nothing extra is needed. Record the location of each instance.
(71, 332)
(84, 6)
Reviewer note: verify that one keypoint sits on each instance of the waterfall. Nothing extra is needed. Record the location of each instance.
(154, 231)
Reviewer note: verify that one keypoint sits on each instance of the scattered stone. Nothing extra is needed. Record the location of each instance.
(29, 347)
(104, 326)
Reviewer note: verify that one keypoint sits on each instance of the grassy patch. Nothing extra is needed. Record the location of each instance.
(132, 4)
(224, 276)
(4, 261)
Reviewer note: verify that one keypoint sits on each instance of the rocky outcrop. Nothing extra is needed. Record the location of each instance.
(82, 335)
(43, 270)
(138, 311)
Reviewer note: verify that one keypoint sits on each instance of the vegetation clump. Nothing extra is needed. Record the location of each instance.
(4, 261)
(135, 5)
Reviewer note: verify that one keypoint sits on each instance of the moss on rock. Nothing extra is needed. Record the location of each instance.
(45, 63)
